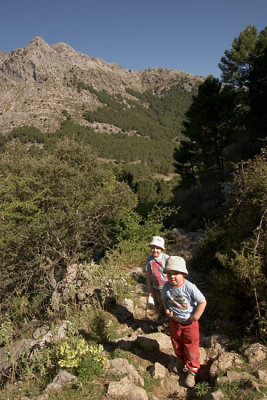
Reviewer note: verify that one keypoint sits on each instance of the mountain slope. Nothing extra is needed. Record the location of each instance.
(40, 81)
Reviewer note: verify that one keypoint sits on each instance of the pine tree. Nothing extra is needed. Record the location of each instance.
(236, 64)
(245, 68)
(207, 129)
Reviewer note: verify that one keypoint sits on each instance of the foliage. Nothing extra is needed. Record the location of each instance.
(207, 133)
(69, 356)
(155, 115)
(132, 157)
(86, 360)
(101, 328)
(202, 388)
(149, 188)
(142, 118)
(237, 390)
(198, 206)
(133, 233)
(6, 331)
(244, 67)
(233, 252)
(119, 146)
(92, 364)
(236, 64)
(224, 125)
(257, 97)
(94, 389)
(150, 382)
(26, 134)
(43, 368)
(55, 209)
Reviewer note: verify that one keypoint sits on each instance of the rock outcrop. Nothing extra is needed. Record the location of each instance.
(38, 82)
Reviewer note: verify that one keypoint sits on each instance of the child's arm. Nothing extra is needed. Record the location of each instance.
(148, 282)
(199, 311)
(167, 310)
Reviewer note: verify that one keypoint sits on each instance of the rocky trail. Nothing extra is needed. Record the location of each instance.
(143, 348)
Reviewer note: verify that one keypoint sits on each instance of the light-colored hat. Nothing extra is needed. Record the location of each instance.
(157, 241)
(175, 263)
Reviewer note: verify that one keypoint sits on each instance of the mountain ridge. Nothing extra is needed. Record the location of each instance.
(38, 82)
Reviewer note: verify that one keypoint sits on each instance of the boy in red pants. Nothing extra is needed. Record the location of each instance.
(184, 304)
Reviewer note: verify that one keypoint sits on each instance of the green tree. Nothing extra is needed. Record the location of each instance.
(55, 209)
(207, 130)
(236, 64)
(258, 95)
(234, 252)
(244, 67)
(186, 162)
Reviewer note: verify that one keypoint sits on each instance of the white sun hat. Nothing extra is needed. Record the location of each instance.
(157, 241)
(175, 263)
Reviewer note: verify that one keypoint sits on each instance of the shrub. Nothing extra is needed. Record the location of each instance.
(86, 360)
(55, 210)
(234, 251)
(102, 328)
(133, 234)
(202, 388)
(92, 364)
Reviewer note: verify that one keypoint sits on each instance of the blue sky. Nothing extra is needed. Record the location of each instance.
(189, 35)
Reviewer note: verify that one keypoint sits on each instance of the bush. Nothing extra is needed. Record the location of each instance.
(133, 234)
(55, 210)
(75, 354)
(233, 253)
(92, 364)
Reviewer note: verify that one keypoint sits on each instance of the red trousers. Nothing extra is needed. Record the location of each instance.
(185, 342)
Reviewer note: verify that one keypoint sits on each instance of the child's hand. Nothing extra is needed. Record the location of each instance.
(150, 301)
(169, 312)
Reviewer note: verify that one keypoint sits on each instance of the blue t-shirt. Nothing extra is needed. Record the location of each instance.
(182, 300)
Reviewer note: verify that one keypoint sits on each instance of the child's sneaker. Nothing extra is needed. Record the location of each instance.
(185, 369)
(190, 379)
(180, 365)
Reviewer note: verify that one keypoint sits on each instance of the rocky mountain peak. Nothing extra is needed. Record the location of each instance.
(37, 83)
(37, 41)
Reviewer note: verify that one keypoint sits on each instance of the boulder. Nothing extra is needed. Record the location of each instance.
(256, 353)
(125, 389)
(63, 378)
(120, 367)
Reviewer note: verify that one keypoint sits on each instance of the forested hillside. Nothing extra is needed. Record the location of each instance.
(41, 81)
(149, 129)
(141, 165)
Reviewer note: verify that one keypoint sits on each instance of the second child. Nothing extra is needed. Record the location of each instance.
(155, 277)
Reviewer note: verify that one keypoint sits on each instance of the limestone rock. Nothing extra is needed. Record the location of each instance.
(41, 331)
(225, 361)
(233, 376)
(63, 378)
(217, 343)
(126, 390)
(13, 354)
(256, 353)
(218, 395)
(158, 371)
(128, 303)
(171, 385)
(37, 84)
(120, 366)
(262, 376)
(157, 340)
